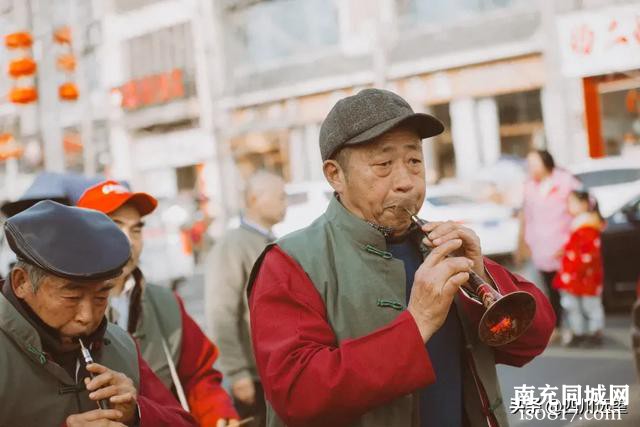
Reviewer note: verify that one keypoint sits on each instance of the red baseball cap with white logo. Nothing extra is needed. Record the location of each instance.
(110, 195)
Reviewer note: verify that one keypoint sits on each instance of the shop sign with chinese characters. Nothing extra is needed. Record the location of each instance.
(152, 90)
(600, 41)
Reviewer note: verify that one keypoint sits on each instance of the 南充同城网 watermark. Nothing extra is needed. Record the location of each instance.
(570, 402)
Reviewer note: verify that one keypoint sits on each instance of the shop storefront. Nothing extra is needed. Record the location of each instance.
(602, 47)
(489, 110)
(281, 136)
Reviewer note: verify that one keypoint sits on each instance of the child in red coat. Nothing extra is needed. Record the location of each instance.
(580, 276)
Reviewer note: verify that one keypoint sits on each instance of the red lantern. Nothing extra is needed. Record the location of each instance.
(23, 95)
(66, 62)
(12, 153)
(9, 148)
(19, 40)
(62, 35)
(22, 67)
(68, 91)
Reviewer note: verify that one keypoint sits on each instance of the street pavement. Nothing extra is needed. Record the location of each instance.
(557, 366)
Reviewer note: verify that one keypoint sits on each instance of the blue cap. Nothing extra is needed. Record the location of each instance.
(68, 242)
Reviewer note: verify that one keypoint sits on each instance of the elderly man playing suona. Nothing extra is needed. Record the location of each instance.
(352, 324)
(170, 341)
(57, 294)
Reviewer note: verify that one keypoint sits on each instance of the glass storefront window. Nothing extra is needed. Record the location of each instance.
(620, 111)
(427, 12)
(161, 51)
(520, 117)
(122, 6)
(272, 30)
(445, 159)
(262, 150)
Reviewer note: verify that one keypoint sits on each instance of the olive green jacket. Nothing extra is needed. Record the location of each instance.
(154, 315)
(34, 390)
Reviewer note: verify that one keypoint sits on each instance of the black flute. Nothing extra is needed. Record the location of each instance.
(102, 403)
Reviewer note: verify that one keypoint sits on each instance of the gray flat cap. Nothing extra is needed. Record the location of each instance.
(361, 118)
(68, 242)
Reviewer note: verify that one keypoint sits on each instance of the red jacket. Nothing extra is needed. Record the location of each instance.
(310, 380)
(207, 400)
(158, 407)
(581, 269)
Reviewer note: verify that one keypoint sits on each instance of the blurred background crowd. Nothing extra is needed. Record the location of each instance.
(186, 99)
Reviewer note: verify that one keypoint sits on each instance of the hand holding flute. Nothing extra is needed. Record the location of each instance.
(110, 389)
(507, 317)
(435, 284)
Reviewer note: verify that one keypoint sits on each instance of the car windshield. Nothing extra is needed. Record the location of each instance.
(608, 177)
(448, 200)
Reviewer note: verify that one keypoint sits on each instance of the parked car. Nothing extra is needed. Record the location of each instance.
(494, 223)
(501, 182)
(615, 183)
(612, 180)
(621, 254)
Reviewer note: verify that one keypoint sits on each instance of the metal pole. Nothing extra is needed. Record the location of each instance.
(556, 113)
(383, 39)
(50, 131)
(81, 49)
(206, 27)
(379, 49)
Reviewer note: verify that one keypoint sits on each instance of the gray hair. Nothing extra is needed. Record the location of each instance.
(36, 274)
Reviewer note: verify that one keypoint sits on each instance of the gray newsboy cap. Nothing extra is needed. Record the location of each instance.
(361, 118)
(68, 242)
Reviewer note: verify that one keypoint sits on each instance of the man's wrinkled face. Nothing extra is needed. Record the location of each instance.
(381, 178)
(129, 220)
(71, 308)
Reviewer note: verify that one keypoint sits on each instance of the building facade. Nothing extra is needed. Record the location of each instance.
(190, 96)
(162, 136)
(601, 48)
(492, 71)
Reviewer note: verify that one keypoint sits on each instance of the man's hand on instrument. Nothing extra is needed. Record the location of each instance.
(435, 284)
(96, 418)
(114, 386)
(441, 232)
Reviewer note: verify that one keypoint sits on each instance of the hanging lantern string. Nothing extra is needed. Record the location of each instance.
(21, 66)
(66, 61)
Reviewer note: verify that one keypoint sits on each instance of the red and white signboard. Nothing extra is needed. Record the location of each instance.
(600, 41)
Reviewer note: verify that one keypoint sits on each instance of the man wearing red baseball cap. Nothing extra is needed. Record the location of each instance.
(170, 341)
